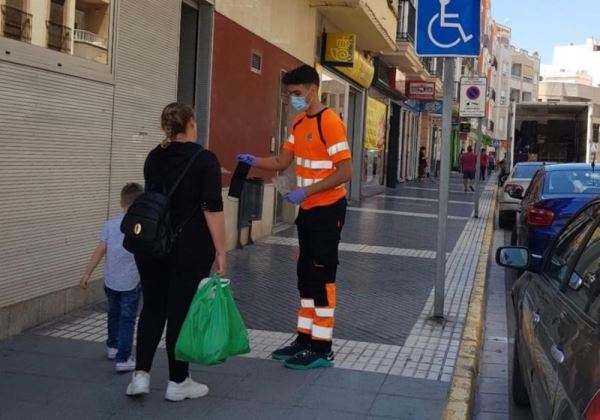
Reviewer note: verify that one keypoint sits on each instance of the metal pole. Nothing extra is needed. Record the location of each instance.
(440, 275)
(478, 145)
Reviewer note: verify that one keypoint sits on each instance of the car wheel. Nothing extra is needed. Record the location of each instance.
(519, 391)
(504, 219)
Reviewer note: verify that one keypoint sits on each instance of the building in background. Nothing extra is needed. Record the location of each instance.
(575, 59)
(524, 75)
(500, 81)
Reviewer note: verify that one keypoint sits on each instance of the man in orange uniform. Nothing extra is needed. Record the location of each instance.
(323, 165)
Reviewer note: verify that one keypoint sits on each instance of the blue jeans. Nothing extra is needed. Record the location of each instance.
(122, 311)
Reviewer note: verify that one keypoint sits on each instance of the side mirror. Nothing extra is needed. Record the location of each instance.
(515, 257)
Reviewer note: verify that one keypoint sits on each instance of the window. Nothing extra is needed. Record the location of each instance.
(501, 123)
(503, 98)
(16, 22)
(566, 247)
(527, 97)
(584, 275)
(91, 33)
(525, 171)
(76, 27)
(517, 70)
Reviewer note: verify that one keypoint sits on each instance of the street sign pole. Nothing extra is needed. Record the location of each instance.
(478, 144)
(440, 272)
(448, 29)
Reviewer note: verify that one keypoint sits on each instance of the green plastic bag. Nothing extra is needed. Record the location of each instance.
(213, 330)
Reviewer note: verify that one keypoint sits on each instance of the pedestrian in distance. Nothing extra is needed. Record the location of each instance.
(422, 167)
(483, 164)
(469, 165)
(319, 144)
(121, 284)
(169, 283)
(460, 155)
(491, 164)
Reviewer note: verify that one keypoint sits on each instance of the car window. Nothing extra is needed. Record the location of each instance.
(525, 171)
(534, 187)
(572, 182)
(562, 256)
(583, 277)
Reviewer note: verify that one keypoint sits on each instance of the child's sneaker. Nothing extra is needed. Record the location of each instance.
(186, 389)
(111, 353)
(126, 366)
(140, 384)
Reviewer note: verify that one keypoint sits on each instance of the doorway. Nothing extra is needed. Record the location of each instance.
(283, 212)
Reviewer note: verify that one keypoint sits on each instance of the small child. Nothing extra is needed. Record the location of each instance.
(121, 284)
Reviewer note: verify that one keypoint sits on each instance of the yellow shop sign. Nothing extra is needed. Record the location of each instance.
(361, 72)
(338, 49)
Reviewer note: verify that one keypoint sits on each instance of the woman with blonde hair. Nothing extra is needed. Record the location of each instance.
(170, 282)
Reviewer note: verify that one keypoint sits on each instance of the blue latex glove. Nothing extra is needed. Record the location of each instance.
(296, 197)
(248, 159)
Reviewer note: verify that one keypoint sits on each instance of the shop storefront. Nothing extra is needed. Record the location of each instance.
(345, 77)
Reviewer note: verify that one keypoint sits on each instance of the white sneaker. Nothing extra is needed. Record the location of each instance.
(186, 389)
(140, 384)
(111, 353)
(126, 366)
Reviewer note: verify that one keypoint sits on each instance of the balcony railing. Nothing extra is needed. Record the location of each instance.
(59, 37)
(407, 21)
(87, 37)
(16, 24)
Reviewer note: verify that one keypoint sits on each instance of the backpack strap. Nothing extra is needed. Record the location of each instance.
(185, 171)
(319, 124)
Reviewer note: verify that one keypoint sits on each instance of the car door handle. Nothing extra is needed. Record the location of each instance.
(536, 318)
(557, 354)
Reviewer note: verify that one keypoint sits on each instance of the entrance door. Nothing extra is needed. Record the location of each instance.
(188, 44)
(394, 147)
(286, 116)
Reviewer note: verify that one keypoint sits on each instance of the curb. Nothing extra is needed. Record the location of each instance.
(459, 404)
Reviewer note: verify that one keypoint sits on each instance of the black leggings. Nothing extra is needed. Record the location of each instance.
(168, 287)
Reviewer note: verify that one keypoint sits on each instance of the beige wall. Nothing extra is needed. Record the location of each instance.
(288, 24)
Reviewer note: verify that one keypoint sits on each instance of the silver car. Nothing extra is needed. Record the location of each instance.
(518, 180)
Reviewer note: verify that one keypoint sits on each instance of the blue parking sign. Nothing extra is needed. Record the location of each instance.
(448, 28)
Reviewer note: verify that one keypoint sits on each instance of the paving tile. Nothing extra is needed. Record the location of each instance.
(493, 385)
(493, 403)
(400, 407)
(338, 399)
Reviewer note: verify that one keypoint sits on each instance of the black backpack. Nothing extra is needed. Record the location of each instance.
(147, 224)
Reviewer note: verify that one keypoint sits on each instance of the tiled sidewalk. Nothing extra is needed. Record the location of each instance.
(392, 360)
(430, 350)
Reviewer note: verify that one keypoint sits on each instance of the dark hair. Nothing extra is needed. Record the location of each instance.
(470, 149)
(303, 75)
(130, 192)
(174, 120)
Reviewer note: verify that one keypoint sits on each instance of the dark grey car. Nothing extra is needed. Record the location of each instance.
(557, 310)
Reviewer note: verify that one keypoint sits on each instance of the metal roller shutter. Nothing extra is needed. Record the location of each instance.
(55, 135)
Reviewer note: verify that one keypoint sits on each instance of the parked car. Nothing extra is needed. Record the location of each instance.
(555, 194)
(556, 362)
(518, 180)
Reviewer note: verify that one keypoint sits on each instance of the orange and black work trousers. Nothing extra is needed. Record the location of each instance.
(319, 231)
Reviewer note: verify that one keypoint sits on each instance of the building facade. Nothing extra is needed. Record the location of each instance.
(574, 59)
(525, 74)
(79, 111)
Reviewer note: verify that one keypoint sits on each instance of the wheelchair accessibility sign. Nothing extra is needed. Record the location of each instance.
(448, 28)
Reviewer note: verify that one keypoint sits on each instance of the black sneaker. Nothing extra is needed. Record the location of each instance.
(290, 351)
(310, 360)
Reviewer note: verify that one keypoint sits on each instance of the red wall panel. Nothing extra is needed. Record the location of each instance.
(244, 105)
